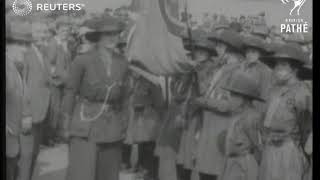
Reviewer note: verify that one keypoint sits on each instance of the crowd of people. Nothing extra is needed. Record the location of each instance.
(243, 112)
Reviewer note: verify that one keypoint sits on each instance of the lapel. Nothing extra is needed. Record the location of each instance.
(40, 59)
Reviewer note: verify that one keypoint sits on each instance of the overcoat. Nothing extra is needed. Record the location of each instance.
(36, 74)
(14, 107)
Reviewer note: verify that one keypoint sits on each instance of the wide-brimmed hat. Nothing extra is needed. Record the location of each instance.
(105, 24)
(228, 37)
(256, 43)
(223, 23)
(199, 41)
(290, 52)
(236, 26)
(260, 30)
(246, 85)
(305, 72)
(295, 38)
(20, 31)
(308, 37)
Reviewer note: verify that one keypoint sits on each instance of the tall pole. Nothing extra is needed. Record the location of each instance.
(194, 75)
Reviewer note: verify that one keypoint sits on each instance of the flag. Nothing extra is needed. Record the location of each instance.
(154, 40)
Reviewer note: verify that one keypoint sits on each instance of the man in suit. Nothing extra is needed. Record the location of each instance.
(17, 116)
(37, 80)
(59, 57)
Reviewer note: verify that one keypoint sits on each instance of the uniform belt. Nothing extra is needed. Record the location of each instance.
(239, 154)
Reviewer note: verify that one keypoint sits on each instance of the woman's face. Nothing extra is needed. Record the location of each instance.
(201, 55)
(283, 72)
(252, 55)
(221, 48)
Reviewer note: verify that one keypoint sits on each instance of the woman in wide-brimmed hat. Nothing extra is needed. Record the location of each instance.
(228, 45)
(96, 122)
(254, 48)
(287, 122)
(214, 104)
(241, 141)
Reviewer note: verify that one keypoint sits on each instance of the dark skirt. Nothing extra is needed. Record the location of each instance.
(91, 161)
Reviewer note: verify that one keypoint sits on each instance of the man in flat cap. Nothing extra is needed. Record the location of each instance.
(287, 122)
(94, 105)
(36, 76)
(17, 114)
(59, 57)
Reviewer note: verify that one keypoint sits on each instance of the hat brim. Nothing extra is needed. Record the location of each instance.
(244, 94)
(233, 47)
(305, 73)
(271, 61)
(263, 51)
(211, 51)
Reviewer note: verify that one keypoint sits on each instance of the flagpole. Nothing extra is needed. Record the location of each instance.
(194, 75)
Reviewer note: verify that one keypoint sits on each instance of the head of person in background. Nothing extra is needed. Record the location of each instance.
(254, 48)
(228, 43)
(63, 28)
(106, 32)
(221, 25)
(242, 20)
(285, 62)
(18, 40)
(260, 31)
(200, 46)
(40, 33)
(275, 35)
(302, 40)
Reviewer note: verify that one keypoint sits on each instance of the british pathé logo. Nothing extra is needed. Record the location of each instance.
(294, 26)
(22, 7)
(297, 4)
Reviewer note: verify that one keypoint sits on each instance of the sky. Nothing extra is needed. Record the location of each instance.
(276, 12)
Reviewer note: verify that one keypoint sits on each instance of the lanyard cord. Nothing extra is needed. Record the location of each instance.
(105, 106)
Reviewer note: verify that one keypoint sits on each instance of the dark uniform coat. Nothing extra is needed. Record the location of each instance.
(95, 100)
(87, 88)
